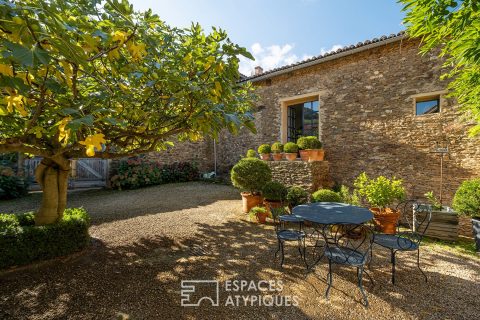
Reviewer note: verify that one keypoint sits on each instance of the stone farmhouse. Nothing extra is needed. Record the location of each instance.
(378, 106)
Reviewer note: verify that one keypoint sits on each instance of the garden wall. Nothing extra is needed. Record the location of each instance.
(311, 176)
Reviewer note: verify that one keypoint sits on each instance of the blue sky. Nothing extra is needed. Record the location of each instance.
(284, 31)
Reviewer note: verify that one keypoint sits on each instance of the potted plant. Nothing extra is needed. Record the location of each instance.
(310, 148)
(260, 213)
(264, 150)
(251, 153)
(326, 195)
(250, 175)
(290, 149)
(381, 193)
(277, 151)
(467, 202)
(296, 196)
(274, 194)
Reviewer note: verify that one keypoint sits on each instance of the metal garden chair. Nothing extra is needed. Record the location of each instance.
(408, 239)
(350, 245)
(283, 221)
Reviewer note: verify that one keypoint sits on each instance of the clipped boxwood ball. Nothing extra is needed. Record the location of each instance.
(250, 174)
(325, 195)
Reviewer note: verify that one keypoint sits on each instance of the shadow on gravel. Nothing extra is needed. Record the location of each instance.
(143, 281)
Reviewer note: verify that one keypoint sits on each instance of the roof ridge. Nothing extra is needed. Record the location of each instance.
(360, 44)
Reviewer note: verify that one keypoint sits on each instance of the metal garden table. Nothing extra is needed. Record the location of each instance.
(327, 213)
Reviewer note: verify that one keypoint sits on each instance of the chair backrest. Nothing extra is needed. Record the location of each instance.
(417, 218)
(277, 212)
(349, 241)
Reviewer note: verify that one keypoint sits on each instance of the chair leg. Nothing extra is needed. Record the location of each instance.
(283, 254)
(329, 278)
(418, 265)
(393, 266)
(360, 278)
(304, 256)
(278, 249)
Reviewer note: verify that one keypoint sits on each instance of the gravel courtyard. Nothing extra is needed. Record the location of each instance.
(147, 241)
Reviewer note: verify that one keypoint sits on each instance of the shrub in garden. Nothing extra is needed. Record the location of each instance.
(296, 196)
(290, 147)
(380, 192)
(274, 191)
(251, 153)
(310, 142)
(250, 174)
(21, 242)
(349, 197)
(264, 149)
(326, 195)
(467, 198)
(277, 147)
(139, 172)
(11, 186)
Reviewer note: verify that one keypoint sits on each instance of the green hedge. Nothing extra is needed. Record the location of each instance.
(21, 242)
(138, 172)
(11, 186)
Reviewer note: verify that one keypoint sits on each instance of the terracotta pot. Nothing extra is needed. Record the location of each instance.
(272, 204)
(291, 156)
(277, 156)
(316, 155)
(385, 221)
(262, 217)
(250, 200)
(265, 156)
(305, 155)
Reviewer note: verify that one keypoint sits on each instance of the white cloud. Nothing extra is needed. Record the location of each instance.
(274, 56)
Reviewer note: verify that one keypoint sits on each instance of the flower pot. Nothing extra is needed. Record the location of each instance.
(385, 221)
(277, 156)
(262, 217)
(272, 204)
(305, 155)
(291, 156)
(265, 156)
(316, 155)
(250, 200)
(476, 232)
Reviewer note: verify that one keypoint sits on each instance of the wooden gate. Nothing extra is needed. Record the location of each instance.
(85, 173)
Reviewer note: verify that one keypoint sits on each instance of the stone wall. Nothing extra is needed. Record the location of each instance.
(367, 119)
(311, 176)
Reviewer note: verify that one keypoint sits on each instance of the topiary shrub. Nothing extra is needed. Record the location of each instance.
(290, 147)
(277, 147)
(250, 174)
(274, 191)
(467, 198)
(264, 149)
(138, 172)
(326, 195)
(21, 242)
(296, 196)
(310, 142)
(11, 186)
(251, 153)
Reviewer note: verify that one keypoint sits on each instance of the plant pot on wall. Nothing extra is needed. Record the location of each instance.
(277, 156)
(291, 156)
(250, 200)
(385, 220)
(265, 156)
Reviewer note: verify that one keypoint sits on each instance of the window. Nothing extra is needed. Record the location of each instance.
(427, 105)
(302, 120)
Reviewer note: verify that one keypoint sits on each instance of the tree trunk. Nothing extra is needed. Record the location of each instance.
(52, 175)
